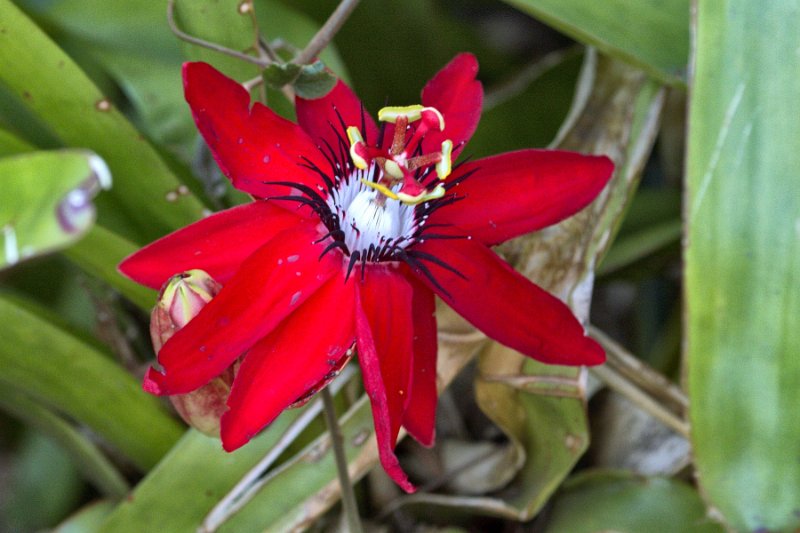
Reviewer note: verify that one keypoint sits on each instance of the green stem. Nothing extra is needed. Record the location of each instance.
(348, 496)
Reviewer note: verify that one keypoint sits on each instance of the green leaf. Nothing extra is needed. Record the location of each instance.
(52, 205)
(314, 81)
(520, 395)
(42, 485)
(742, 262)
(132, 43)
(191, 479)
(224, 23)
(69, 375)
(88, 519)
(54, 89)
(279, 74)
(10, 144)
(84, 454)
(651, 34)
(617, 501)
(104, 266)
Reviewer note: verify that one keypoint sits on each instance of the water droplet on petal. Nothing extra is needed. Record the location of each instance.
(292, 258)
(295, 297)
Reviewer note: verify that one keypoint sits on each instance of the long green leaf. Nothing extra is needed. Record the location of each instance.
(73, 377)
(49, 84)
(191, 479)
(87, 457)
(743, 262)
(619, 501)
(651, 34)
(88, 519)
(104, 265)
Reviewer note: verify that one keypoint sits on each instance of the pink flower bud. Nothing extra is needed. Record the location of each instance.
(180, 300)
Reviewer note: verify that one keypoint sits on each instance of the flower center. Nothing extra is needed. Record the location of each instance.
(401, 162)
(374, 204)
(371, 224)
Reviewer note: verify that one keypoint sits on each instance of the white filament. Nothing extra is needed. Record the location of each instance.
(368, 218)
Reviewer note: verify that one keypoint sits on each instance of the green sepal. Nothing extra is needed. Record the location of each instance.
(314, 81)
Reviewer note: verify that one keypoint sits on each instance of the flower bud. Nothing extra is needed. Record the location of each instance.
(180, 300)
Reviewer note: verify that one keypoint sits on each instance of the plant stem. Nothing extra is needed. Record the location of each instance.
(641, 399)
(639, 372)
(337, 442)
(180, 34)
(255, 479)
(326, 32)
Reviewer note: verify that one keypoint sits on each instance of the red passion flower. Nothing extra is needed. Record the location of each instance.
(352, 231)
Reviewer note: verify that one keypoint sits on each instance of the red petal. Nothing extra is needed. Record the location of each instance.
(296, 356)
(518, 192)
(320, 117)
(270, 285)
(506, 306)
(250, 146)
(217, 244)
(384, 339)
(456, 93)
(386, 298)
(420, 415)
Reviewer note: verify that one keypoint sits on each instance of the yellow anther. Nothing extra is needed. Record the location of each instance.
(437, 192)
(356, 141)
(390, 114)
(444, 166)
(354, 135)
(383, 189)
(411, 112)
(393, 169)
(438, 115)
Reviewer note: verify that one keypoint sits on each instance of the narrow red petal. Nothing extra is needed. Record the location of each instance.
(251, 146)
(386, 298)
(456, 93)
(518, 192)
(270, 285)
(217, 244)
(420, 415)
(506, 306)
(295, 357)
(383, 336)
(322, 118)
